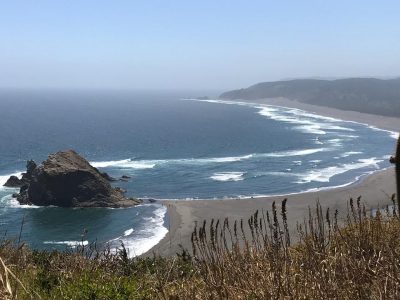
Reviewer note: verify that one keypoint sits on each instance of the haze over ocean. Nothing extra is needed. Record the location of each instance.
(173, 148)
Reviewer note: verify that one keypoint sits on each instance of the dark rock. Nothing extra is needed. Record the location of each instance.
(30, 167)
(107, 177)
(121, 190)
(124, 178)
(68, 180)
(13, 182)
(148, 200)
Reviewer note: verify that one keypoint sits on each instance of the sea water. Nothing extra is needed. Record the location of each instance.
(172, 147)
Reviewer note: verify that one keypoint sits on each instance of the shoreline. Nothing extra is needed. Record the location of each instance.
(378, 121)
(375, 190)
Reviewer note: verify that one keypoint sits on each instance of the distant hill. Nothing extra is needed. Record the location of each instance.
(367, 95)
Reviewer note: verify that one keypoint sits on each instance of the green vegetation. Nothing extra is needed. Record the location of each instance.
(356, 257)
(367, 95)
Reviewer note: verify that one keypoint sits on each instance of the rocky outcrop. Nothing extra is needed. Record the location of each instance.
(68, 180)
(124, 178)
(107, 177)
(13, 182)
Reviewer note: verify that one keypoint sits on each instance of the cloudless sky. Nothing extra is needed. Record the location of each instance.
(205, 44)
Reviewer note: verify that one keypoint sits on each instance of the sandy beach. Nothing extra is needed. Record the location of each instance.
(382, 122)
(375, 189)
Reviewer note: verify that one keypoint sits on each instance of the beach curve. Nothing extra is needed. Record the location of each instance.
(375, 189)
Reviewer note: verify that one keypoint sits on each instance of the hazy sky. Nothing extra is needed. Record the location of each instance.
(200, 44)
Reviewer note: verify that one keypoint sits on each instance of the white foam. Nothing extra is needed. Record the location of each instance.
(338, 128)
(394, 134)
(228, 159)
(317, 141)
(349, 136)
(209, 160)
(312, 128)
(315, 161)
(68, 243)
(305, 121)
(125, 163)
(301, 152)
(9, 201)
(337, 143)
(308, 121)
(309, 114)
(128, 232)
(6, 200)
(139, 242)
(15, 204)
(224, 102)
(148, 164)
(105, 164)
(227, 176)
(346, 154)
(325, 174)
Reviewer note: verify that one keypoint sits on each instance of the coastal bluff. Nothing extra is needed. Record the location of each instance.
(364, 95)
(66, 179)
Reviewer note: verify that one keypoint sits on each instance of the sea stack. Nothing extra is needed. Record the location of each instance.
(66, 179)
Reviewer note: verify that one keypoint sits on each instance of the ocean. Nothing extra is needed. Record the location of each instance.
(172, 147)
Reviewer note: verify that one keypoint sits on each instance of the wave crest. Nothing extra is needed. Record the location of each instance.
(141, 241)
(325, 174)
(227, 176)
(67, 243)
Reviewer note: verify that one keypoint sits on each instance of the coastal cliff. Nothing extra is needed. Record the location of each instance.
(366, 95)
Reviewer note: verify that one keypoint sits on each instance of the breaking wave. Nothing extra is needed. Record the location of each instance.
(148, 164)
(227, 176)
(325, 174)
(124, 163)
(295, 152)
(349, 153)
(67, 243)
(304, 121)
(140, 241)
(9, 201)
(128, 232)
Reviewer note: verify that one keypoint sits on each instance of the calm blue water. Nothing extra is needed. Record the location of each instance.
(174, 149)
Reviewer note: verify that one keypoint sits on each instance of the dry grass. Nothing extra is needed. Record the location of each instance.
(358, 261)
(253, 259)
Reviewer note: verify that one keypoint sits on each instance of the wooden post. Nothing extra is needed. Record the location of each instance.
(396, 161)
